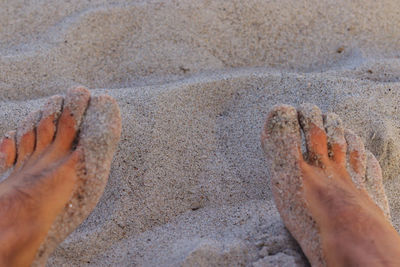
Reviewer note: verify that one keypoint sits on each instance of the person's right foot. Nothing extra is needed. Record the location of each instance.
(54, 170)
(323, 199)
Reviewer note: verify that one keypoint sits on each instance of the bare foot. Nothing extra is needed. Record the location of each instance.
(332, 200)
(55, 169)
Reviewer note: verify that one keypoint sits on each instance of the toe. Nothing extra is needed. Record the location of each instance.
(374, 184)
(8, 151)
(281, 142)
(75, 104)
(100, 130)
(281, 139)
(26, 137)
(356, 158)
(98, 139)
(311, 122)
(46, 127)
(335, 134)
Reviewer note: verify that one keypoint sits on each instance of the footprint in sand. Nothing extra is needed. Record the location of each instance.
(331, 198)
(55, 167)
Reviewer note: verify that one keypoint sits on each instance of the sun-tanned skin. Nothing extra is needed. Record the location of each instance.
(321, 196)
(53, 170)
(38, 188)
(354, 230)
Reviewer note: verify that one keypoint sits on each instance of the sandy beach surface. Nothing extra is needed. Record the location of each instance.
(194, 80)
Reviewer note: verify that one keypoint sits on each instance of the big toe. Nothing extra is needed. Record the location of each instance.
(374, 184)
(100, 132)
(281, 141)
(281, 138)
(98, 137)
(356, 158)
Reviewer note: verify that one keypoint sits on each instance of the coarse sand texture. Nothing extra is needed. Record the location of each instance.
(194, 81)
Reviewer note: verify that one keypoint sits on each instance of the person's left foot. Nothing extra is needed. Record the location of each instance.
(56, 170)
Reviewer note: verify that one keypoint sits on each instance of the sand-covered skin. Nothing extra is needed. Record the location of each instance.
(194, 81)
(98, 122)
(330, 148)
(50, 148)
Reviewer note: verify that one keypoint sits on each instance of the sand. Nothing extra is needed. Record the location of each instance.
(194, 81)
